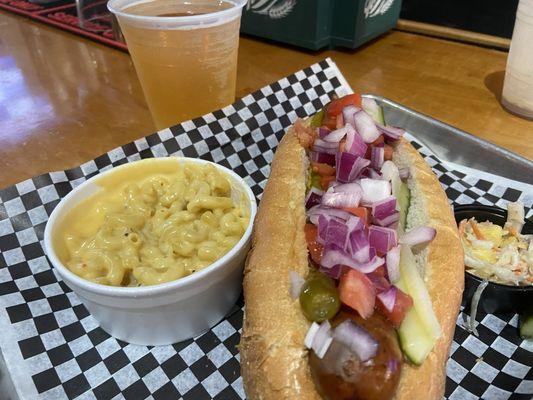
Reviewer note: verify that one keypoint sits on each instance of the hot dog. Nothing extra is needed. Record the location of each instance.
(349, 209)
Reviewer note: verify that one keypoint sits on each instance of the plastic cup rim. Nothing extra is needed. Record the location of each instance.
(187, 21)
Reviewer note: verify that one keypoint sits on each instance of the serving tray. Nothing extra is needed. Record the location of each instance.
(454, 145)
(54, 349)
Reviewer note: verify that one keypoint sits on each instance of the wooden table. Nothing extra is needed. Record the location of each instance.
(64, 99)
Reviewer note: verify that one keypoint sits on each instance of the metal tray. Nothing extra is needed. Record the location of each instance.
(447, 142)
(454, 145)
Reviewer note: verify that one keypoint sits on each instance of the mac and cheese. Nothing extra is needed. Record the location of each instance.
(149, 226)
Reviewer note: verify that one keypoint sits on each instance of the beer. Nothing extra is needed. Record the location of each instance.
(184, 52)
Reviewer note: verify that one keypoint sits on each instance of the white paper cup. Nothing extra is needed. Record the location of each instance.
(160, 314)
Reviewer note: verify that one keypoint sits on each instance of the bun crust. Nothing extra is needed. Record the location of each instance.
(274, 361)
(273, 357)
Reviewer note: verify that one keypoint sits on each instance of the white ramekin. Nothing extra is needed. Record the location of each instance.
(166, 313)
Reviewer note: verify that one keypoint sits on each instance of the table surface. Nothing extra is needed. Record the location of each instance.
(65, 100)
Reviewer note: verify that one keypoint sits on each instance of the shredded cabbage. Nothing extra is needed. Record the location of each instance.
(499, 254)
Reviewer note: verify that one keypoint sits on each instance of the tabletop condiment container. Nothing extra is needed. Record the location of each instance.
(517, 95)
(315, 24)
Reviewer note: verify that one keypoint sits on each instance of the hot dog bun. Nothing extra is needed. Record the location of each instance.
(274, 361)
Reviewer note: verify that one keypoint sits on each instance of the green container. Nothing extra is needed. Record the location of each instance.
(315, 24)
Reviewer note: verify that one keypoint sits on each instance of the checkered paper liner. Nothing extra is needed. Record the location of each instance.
(55, 349)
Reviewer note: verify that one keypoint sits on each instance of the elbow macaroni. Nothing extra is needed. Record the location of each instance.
(155, 229)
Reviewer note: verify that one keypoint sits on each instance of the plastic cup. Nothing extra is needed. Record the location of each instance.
(517, 95)
(184, 52)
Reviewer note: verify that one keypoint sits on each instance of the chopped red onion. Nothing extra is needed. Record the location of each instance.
(344, 166)
(337, 135)
(354, 224)
(359, 246)
(393, 264)
(323, 158)
(371, 107)
(297, 283)
(384, 208)
(418, 235)
(374, 263)
(322, 225)
(341, 199)
(311, 333)
(314, 212)
(374, 190)
(355, 144)
(380, 282)
(323, 132)
(314, 197)
(349, 166)
(322, 350)
(404, 173)
(382, 239)
(334, 255)
(388, 297)
(390, 132)
(357, 339)
(389, 170)
(373, 174)
(337, 232)
(333, 272)
(358, 167)
(348, 113)
(365, 126)
(321, 146)
(322, 339)
(387, 221)
(377, 157)
(352, 187)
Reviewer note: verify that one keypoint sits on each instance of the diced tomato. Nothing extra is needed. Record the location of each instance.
(361, 212)
(335, 107)
(388, 152)
(325, 181)
(380, 271)
(305, 134)
(315, 249)
(329, 122)
(357, 292)
(379, 140)
(339, 121)
(323, 169)
(403, 303)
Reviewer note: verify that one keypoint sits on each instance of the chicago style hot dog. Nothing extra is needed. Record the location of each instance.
(354, 280)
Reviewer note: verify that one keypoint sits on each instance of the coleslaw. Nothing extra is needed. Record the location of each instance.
(499, 254)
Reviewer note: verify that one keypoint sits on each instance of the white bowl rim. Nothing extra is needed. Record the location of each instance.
(151, 290)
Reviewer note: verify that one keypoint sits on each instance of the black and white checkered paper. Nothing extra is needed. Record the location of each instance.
(55, 349)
